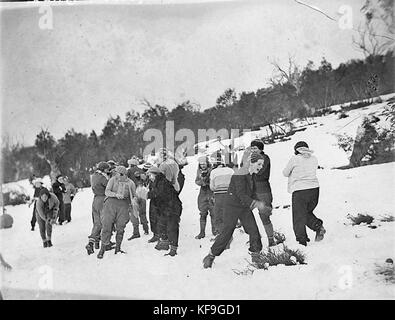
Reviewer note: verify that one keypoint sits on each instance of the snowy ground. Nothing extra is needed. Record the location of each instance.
(340, 267)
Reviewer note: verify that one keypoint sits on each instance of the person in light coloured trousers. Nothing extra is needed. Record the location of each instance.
(120, 195)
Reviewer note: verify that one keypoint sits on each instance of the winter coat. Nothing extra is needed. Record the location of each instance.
(120, 185)
(241, 190)
(99, 183)
(58, 189)
(262, 177)
(170, 169)
(49, 209)
(220, 179)
(37, 192)
(70, 193)
(203, 178)
(301, 171)
(165, 196)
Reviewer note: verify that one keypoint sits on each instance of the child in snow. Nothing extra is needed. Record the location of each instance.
(304, 187)
(47, 209)
(169, 209)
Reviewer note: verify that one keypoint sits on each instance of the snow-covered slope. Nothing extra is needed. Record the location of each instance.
(340, 267)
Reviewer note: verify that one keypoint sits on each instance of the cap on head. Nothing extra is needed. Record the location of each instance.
(103, 166)
(38, 181)
(147, 165)
(133, 162)
(154, 170)
(121, 170)
(203, 159)
(44, 191)
(255, 157)
(257, 143)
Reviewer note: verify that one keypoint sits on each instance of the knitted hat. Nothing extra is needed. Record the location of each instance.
(255, 157)
(154, 169)
(133, 162)
(103, 166)
(121, 170)
(44, 191)
(302, 147)
(38, 180)
(257, 143)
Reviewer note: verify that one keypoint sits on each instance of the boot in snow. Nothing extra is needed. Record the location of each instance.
(208, 261)
(49, 243)
(97, 245)
(154, 238)
(101, 252)
(45, 244)
(272, 242)
(202, 233)
(89, 248)
(136, 233)
(319, 235)
(162, 245)
(256, 257)
(173, 251)
(145, 228)
(110, 246)
(118, 249)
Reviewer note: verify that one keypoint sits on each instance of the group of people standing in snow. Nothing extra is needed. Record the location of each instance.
(228, 195)
(50, 207)
(120, 195)
(249, 189)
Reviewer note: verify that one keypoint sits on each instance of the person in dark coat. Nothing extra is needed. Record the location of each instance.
(68, 197)
(206, 196)
(47, 210)
(59, 188)
(239, 205)
(99, 182)
(134, 173)
(153, 211)
(170, 207)
(263, 190)
(38, 186)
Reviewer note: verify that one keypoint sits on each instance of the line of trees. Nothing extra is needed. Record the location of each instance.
(292, 93)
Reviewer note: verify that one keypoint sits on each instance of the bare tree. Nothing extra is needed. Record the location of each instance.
(375, 33)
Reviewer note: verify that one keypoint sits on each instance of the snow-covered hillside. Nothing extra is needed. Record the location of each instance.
(342, 266)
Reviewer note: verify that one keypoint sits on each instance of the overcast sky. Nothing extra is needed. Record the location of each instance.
(101, 60)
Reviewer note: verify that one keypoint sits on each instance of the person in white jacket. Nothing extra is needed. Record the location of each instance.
(219, 182)
(304, 187)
